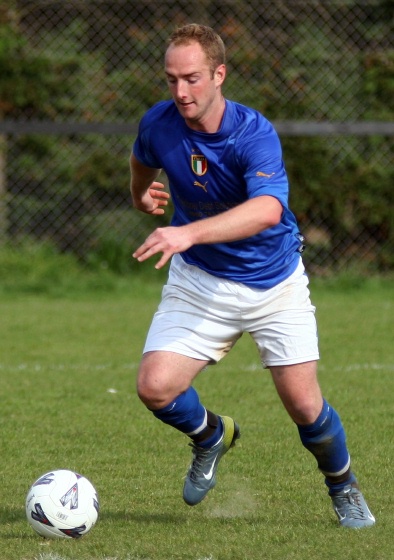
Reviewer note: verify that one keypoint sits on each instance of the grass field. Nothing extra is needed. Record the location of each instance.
(67, 400)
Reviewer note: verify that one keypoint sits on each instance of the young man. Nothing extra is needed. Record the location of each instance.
(235, 267)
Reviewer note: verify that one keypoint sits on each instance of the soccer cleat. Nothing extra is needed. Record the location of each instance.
(351, 508)
(201, 476)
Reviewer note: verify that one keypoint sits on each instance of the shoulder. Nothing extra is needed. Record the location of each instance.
(243, 114)
(253, 132)
(162, 112)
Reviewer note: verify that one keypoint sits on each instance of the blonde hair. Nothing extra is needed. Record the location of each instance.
(211, 43)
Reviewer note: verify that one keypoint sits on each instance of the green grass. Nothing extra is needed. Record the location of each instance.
(61, 353)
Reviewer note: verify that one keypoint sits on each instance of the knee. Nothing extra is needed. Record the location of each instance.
(153, 390)
(304, 408)
(299, 391)
(305, 412)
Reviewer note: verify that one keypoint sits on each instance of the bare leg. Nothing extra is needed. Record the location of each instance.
(299, 390)
(163, 376)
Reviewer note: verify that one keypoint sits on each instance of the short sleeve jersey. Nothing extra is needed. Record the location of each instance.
(211, 173)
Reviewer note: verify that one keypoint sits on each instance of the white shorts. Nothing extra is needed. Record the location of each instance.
(202, 316)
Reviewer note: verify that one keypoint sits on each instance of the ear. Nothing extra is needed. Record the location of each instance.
(220, 74)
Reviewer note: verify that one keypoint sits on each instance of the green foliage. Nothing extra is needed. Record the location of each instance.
(133, 93)
(39, 268)
(64, 182)
(378, 89)
(355, 195)
(29, 267)
(26, 81)
(307, 165)
(114, 238)
(58, 179)
(66, 75)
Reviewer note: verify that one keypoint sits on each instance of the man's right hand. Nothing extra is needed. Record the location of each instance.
(153, 200)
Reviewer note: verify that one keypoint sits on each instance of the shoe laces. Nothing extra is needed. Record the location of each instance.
(200, 454)
(351, 500)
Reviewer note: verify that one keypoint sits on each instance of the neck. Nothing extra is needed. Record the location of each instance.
(212, 121)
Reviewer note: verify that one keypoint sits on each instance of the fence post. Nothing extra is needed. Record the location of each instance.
(3, 189)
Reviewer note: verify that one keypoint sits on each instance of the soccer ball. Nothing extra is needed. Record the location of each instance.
(62, 504)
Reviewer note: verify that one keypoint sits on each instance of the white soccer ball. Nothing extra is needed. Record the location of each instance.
(62, 504)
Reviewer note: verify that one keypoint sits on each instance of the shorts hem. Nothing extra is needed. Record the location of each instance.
(291, 361)
(181, 352)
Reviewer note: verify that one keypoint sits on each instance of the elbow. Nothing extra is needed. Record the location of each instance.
(273, 221)
(273, 213)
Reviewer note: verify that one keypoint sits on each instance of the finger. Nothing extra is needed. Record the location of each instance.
(161, 202)
(164, 259)
(145, 251)
(138, 252)
(159, 194)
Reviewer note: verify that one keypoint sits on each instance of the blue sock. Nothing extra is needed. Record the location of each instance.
(188, 415)
(332, 487)
(326, 440)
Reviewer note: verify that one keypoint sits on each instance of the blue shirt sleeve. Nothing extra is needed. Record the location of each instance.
(141, 148)
(261, 156)
(144, 146)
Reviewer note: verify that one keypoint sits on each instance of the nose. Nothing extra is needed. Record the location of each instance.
(181, 89)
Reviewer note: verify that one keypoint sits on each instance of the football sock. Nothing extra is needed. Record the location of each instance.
(188, 415)
(326, 440)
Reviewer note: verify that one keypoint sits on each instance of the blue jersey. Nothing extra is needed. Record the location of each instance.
(211, 173)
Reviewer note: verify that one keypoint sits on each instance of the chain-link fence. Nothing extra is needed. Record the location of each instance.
(76, 76)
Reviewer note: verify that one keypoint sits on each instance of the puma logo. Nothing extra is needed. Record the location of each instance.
(203, 186)
(261, 174)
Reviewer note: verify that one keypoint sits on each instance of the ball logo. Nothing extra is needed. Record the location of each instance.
(46, 479)
(38, 515)
(70, 498)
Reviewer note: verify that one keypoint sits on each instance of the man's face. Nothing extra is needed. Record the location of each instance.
(197, 94)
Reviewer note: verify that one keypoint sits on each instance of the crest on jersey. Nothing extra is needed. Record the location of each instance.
(199, 165)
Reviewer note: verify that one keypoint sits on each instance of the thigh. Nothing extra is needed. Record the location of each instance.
(285, 331)
(298, 387)
(197, 317)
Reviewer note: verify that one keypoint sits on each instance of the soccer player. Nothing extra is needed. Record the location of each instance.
(236, 267)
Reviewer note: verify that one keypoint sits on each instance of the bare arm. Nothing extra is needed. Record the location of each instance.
(245, 220)
(147, 194)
